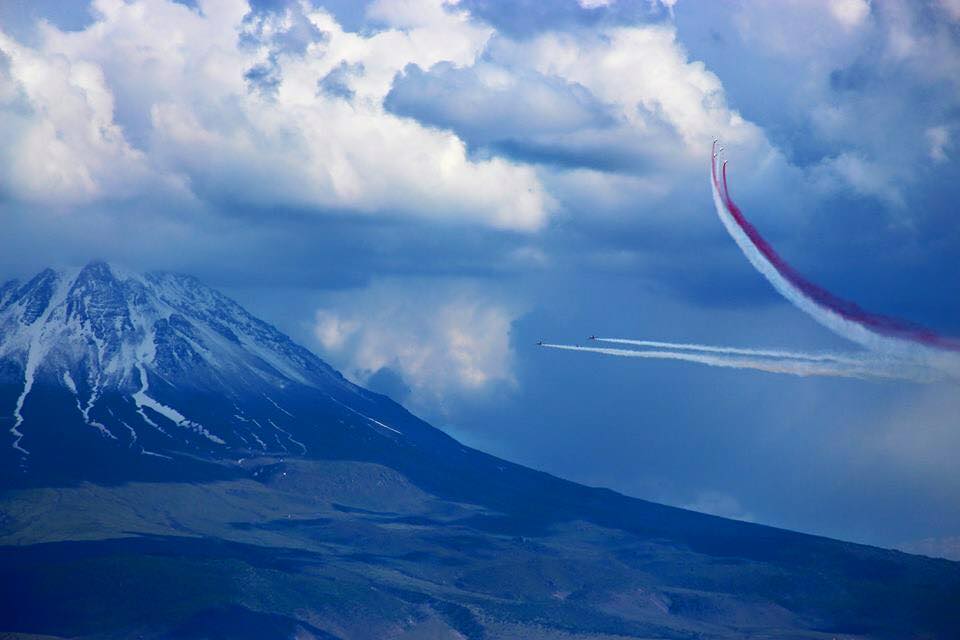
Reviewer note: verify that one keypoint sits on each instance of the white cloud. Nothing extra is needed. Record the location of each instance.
(443, 339)
(952, 7)
(939, 139)
(647, 75)
(849, 13)
(665, 108)
(333, 331)
(174, 105)
(179, 75)
(669, 5)
(812, 31)
(60, 142)
(850, 171)
(594, 4)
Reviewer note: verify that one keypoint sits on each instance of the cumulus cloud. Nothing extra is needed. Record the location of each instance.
(645, 73)
(440, 340)
(800, 27)
(60, 142)
(614, 117)
(227, 101)
(232, 108)
(952, 8)
(939, 140)
(617, 99)
(488, 103)
(850, 171)
(849, 13)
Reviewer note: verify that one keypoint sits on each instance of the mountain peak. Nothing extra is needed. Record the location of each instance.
(98, 273)
(111, 342)
(97, 266)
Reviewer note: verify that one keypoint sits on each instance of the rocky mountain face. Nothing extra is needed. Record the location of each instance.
(173, 467)
(100, 363)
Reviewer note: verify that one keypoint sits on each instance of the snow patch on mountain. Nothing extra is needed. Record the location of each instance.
(105, 330)
(143, 400)
(37, 340)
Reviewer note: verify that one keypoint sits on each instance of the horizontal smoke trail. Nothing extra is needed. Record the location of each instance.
(864, 370)
(738, 351)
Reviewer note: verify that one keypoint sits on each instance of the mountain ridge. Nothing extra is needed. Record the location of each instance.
(101, 329)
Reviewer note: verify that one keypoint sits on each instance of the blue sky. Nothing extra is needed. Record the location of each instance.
(420, 190)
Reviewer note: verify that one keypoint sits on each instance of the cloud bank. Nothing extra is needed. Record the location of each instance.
(222, 105)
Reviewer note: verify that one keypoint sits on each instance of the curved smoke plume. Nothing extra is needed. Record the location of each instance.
(896, 349)
(876, 332)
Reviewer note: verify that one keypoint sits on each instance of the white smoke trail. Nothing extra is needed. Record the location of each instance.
(767, 353)
(830, 319)
(890, 356)
(866, 369)
(911, 351)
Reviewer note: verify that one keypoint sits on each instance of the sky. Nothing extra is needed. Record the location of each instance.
(420, 190)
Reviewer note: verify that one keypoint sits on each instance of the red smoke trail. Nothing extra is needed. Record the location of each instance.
(890, 327)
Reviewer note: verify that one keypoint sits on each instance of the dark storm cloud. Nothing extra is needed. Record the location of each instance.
(332, 251)
(390, 383)
(519, 114)
(503, 106)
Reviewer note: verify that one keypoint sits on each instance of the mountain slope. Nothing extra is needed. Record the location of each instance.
(156, 366)
(306, 504)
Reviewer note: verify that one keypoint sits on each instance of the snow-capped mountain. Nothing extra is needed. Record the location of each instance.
(105, 359)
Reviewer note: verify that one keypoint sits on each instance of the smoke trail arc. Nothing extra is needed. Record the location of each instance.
(897, 350)
(841, 316)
